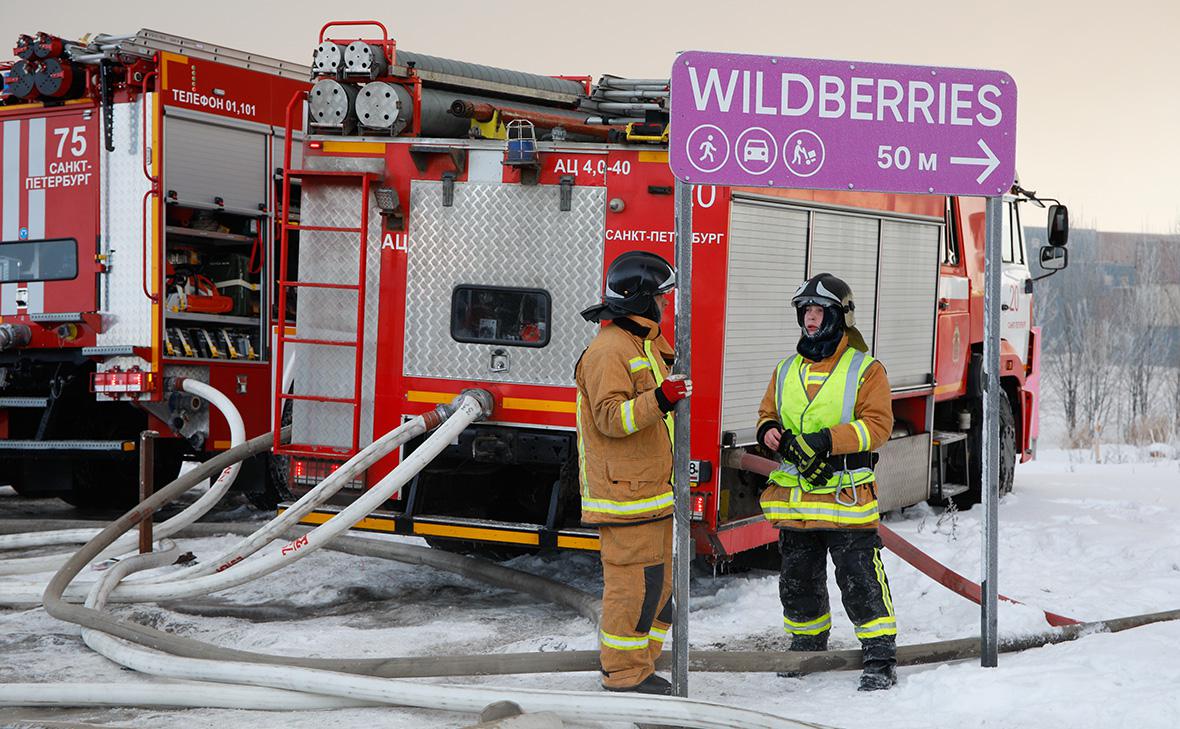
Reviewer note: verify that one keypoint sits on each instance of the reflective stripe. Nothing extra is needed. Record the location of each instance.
(639, 363)
(784, 368)
(658, 635)
(864, 442)
(607, 506)
(655, 370)
(628, 416)
(787, 468)
(822, 624)
(877, 628)
(880, 570)
(851, 381)
(622, 642)
(820, 511)
(788, 477)
(582, 480)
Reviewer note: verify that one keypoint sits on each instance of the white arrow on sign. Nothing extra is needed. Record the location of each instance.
(989, 163)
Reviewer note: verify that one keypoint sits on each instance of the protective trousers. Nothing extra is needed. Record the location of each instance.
(864, 589)
(636, 599)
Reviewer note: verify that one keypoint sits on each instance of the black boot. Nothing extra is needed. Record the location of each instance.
(807, 644)
(879, 656)
(653, 684)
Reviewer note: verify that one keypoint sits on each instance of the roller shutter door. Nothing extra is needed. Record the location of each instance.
(203, 162)
(909, 283)
(767, 254)
(846, 246)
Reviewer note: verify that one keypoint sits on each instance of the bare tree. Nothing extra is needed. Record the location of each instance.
(1096, 375)
(1144, 315)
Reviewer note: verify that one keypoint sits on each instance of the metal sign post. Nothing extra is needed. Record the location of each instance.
(774, 121)
(682, 533)
(990, 476)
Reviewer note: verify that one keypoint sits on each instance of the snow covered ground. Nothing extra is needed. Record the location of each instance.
(1088, 541)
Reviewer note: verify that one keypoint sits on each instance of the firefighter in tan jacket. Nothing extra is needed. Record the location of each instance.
(625, 400)
(826, 410)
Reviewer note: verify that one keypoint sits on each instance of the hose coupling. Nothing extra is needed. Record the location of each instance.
(485, 400)
(14, 335)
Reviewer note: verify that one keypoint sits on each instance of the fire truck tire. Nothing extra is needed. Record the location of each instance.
(974, 493)
(275, 489)
(102, 485)
(28, 488)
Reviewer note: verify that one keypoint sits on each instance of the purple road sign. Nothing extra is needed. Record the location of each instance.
(768, 121)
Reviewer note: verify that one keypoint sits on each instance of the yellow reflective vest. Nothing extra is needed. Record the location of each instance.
(848, 395)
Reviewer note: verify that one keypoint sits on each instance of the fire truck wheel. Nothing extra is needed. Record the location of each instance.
(106, 485)
(974, 493)
(274, 484)
(15, 476)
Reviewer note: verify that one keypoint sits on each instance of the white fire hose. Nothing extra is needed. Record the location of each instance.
(261, 685)
(194, 511)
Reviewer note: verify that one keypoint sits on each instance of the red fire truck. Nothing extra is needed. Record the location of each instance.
(136, 223)
(454, 249)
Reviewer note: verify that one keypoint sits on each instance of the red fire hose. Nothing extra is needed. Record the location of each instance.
(913, 556)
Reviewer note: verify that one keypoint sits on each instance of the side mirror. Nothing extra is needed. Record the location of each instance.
(1058, 226)
(1054, 258)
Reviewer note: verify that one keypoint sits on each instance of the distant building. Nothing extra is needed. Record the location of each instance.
(1118, 273)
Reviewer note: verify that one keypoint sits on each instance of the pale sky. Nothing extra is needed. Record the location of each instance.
(1098, 110)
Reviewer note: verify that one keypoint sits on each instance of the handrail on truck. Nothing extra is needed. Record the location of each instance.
(379, 24)
(153, 189)
(288, 123)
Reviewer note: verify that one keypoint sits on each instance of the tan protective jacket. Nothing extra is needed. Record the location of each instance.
(624, 438)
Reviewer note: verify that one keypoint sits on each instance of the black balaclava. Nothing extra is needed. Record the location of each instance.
(823, 343)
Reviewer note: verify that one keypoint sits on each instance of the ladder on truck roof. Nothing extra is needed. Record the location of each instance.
(362, 180)
(146, 43)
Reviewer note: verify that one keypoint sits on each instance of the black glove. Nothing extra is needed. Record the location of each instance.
(817, 471)
(807, 447)
(808, 453)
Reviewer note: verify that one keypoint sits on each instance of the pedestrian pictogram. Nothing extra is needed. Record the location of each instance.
(707, 148)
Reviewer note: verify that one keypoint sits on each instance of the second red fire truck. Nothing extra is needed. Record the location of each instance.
(455, 219)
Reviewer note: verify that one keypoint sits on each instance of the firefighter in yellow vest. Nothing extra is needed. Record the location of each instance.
(826, 410)
(624, 406)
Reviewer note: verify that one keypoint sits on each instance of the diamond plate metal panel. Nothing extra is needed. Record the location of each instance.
(127, 313)
(501, 235)
(333, 257)
(903, 473)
